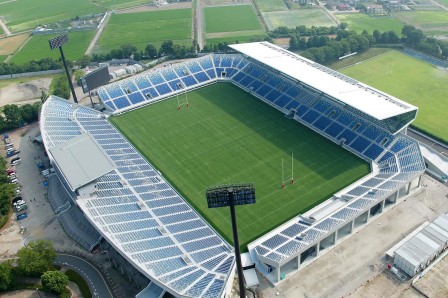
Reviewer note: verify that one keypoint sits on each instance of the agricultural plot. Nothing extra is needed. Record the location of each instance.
(431, 22)
(271, 5)
(118, 4)
(37, 47)
(237, 38)
(142, 28)
(10, 44)
(227, 135)
(27, 14)
(308, 17)
(411, 80)
(230, 19)
(359, 22)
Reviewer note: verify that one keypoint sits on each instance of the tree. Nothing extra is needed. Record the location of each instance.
(343, 25)
(43, 96)
(151, 51)
(54, 281)
(166, 48)
(84, 61)
(27, 113)
(128, 50)
(293, 43)
(12, 116)
(36, 258)
(6, 276)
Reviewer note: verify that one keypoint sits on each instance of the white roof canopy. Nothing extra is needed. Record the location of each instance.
(81, 160)
(340, 87)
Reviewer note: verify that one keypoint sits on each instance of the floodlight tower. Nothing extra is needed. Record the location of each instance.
(229, 196)
(57, 42)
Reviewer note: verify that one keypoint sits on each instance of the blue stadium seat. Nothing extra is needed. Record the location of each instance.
(189, 81)
(360, 144)
(334, 129)
(151, 91)
(302, 110)
(348, 135)
(168, 73)
(273, 95)
(156, 79)
(322, 106)
(372, 132)
(265, 89)
(311, 116)
(163, 89)
(201, 77)
(345, 118)
(282, 101)
(211, 73)
(136, 98)
(292, 105)
(175, 85)
(121, 102)
(322, 123)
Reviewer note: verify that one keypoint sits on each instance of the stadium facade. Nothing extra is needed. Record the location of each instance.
(131, 205)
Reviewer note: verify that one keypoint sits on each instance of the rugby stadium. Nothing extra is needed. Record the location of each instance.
(106, 187)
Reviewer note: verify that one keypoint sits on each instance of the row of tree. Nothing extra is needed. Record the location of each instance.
(6, 192)
(31, 66)
(34, 260)
(325, 50)
(302, 30)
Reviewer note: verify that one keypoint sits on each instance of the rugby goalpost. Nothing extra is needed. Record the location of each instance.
(179, 101)
(292, 172)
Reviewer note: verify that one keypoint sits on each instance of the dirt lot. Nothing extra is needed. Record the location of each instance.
(10, 44)
(24, 92)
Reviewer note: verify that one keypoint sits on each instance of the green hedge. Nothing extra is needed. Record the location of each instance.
(77, 279)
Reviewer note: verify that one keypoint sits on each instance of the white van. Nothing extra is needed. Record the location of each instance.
(13, 181)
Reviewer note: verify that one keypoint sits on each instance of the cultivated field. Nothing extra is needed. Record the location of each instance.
(142, 28)
(271, 5)
(359, 22)
(411, 80)
(432, 22)
(10, 44)
(117, 4)
(27, 14)
(293, 18)
(230, 19)
(37, 47)
(235, 38)
(226, 135)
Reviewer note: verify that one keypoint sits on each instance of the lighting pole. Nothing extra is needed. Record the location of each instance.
(57, 42)
(229, 196)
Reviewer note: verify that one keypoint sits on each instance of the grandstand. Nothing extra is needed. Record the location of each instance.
(152, 226)
(426, 58)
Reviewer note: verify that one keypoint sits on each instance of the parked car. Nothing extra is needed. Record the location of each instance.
(13, 181)
(10, 145)
(10, 171)
(22, 216)
(15, 161)
(12, 153)
(21, 207)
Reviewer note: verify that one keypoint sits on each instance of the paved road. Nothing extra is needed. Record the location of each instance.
(199, 24)
(92, 276)
(5, 28)
(98, 34)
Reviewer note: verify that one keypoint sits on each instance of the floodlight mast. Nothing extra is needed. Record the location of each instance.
(231, 195)
(57, 42)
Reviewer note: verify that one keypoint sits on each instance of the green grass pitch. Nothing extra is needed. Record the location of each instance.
(230, 18)
(227, 135)
(27, 14)
(37, 47)
(308, 17)
(141, 28)
(411, 80)
(359, 22)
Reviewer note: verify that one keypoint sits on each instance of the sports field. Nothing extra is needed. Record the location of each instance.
(27, 14)
(230, 18)
(37, 47)
(432, 22)
(141, 28)
(308, 17)
(227, 135)
(359, 22)
(271, 5)
(411, 80)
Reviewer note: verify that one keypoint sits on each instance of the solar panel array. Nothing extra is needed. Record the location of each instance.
(140, 213)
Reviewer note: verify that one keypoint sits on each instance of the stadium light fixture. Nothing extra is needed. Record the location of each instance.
(57, 42)
(230, 196)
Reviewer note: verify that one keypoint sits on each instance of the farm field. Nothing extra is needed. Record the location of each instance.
(37, 47)
(27, 14)
(227, 135)
(230, 19)
(117, 4)
(411, 80)
(10, 44)
(142, 28)
(359, 22)
(271, 5)
(432, 22)
(293, 18)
